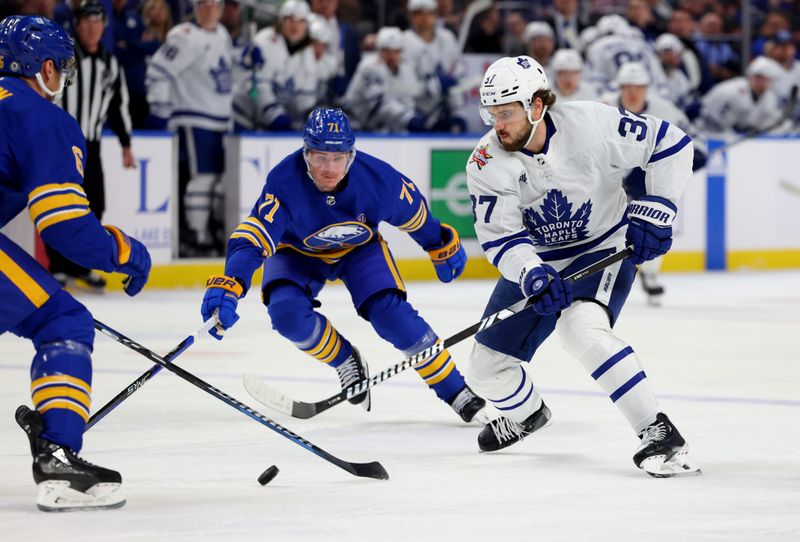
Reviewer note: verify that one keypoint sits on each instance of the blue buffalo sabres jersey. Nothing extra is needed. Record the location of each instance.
(42, 154)
(291, 213)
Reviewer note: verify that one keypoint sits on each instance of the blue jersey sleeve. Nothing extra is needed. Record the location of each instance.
(51, 160)
(257, 237)
(410, 213)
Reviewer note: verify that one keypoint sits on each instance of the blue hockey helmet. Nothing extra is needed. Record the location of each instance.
(328, 130)
(26, 42)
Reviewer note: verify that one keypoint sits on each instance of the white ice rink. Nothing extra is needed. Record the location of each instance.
(723, 355)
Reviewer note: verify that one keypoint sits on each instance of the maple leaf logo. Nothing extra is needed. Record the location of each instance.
(556, 225)
(223, 77)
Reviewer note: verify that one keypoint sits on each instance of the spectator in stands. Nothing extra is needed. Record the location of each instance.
(722, 60)
(743, 103)
(682, 25)
(641, 16)
(541, 42)
(343, 44)
(678, 87)
(567, 67)
(782, 50)
(157, 18)
(566, 24)
(64, 14)
(486, 32)
(133, 45)
(514, 37)
(383, 93)
(775, 21)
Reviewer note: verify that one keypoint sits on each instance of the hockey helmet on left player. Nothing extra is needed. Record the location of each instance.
(26, 43)
(328, 147)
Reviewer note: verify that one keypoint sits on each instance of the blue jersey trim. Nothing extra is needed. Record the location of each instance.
(497, 242)
(662, 131)
(622, 390)
(670, 151)
(662, 201)
(569, 252)
(184, 113)
(608, 364)
(504, 399)
(508, 246)
(163, 71)
(515, 405)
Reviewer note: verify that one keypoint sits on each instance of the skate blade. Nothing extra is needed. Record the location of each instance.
(58, 496)
(678, 465)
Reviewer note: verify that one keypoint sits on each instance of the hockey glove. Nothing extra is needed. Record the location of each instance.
(553, 294)
(450, 258)
(131, 258)
(221, 299)
(650, 228)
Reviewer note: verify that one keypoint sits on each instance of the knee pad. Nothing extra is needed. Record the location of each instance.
(396, 321)
(487, 366)
(291, 312)
(584, 328)
(61, 318)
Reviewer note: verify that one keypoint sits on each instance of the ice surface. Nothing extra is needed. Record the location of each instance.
(723, 355)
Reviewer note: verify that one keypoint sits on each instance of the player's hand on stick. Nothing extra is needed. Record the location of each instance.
(130, 258)
(650, 228)
(554, 294)
(221, 299)
(450, 258)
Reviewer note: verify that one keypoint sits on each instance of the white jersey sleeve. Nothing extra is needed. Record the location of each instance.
(171, 59)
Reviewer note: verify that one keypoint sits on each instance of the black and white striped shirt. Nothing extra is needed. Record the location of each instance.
(99, 93)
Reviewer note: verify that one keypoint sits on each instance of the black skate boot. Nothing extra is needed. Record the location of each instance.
(469, 406)
(502, 432)
(65, 481)
(663, 451)
(91, 281)
(352, 371)
(653, 288)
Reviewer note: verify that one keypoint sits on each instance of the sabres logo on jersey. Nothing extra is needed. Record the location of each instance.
(557, 224)
(338, 236)
(480, 156)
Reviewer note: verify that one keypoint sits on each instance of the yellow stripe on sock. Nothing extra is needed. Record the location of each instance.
(441, 376)
(61, 378)
(65, 405)
(435, 365)
(62, 391)
(326, 335)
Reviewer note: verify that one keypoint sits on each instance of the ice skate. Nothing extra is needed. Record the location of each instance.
(653, 288)
(470, 407)
(663, 452)
(91, 282)
(503, 432)
(353, 371)
(65, 481)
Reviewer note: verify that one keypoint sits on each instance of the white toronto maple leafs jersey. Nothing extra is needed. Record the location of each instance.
(605, 56)
(568, 200)
(189, 79)
(428, 59)
(729, 107)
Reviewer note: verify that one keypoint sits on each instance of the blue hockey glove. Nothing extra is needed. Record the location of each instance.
(130, 258)
(450, 258)
(221, 299)
(650, 227)
(554, 295)
(252, 57)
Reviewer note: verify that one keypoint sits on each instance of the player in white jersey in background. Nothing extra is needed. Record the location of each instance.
(546, 186)
(190, 86)
(294, 69)
(678, 88)
(432, 52)
(383, 93)
(567, 68)
(743, 103)
(634, 96)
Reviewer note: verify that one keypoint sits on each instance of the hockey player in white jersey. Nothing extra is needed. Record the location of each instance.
(618, 45)
(546, 186)
(567, 69)
(634, 96)
(294, 69)
(383, 93)
(678, 87)
(743, 103)
(432, 52)
(190, 87)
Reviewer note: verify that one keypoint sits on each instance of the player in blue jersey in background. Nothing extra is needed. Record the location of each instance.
(317, 220)
(42, 154)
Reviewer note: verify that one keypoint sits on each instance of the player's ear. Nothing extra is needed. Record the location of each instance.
(48, 70)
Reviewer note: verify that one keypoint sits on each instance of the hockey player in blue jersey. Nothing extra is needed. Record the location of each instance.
(317, 220)
(42, 154)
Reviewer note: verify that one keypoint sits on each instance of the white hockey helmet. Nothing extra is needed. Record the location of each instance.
(588, 36)
(512, 79)
(765, 67)
(294, 8)
(567, 60)
(632, 73)
(669, 42)
(538, 29)
(422, 5)
(389, 37)
(612, 24)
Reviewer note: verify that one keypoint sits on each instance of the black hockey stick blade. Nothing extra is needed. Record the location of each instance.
(269, 396)
(366, 470)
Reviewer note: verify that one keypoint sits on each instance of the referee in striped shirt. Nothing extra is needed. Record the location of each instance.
(99, 94)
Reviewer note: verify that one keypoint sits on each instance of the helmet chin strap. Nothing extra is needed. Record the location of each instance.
(534, 123)
(53, 95)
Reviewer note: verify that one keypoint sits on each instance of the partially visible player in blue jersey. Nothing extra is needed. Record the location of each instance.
(42, 154)
(317, 220)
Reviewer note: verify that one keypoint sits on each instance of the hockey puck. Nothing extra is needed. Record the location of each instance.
(267, 476)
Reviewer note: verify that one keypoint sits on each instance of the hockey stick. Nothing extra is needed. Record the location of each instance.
(272, 398)
(147, 375)
(367, 470)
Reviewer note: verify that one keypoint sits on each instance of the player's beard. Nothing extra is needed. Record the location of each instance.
(516, 144)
